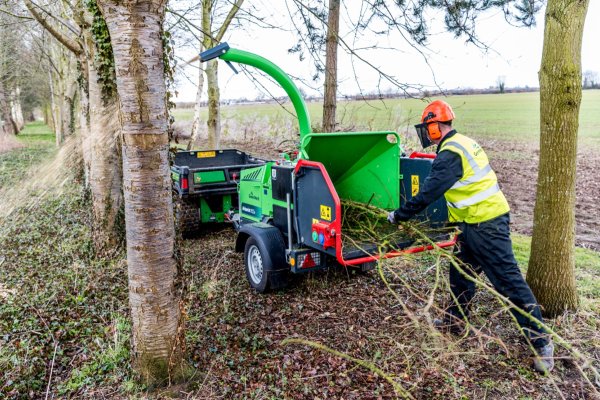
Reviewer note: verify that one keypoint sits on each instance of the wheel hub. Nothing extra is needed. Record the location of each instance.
(255, 264)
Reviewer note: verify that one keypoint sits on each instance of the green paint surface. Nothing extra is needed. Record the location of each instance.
(365, 166)
(209, 177)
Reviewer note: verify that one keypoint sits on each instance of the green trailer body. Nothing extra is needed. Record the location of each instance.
(206, 184)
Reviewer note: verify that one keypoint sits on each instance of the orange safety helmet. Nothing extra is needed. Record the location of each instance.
(436, 111)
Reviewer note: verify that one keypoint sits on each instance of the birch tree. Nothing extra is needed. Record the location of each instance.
(135, 28)
(551, 272)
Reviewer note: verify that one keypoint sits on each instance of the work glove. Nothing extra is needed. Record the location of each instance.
(392, 217)
(397, 216)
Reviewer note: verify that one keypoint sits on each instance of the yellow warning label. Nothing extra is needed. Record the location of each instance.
(325, 213)
(414, 184)
(206, 154)
(315, 221)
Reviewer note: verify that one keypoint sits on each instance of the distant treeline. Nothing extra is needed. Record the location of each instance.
(372, 96)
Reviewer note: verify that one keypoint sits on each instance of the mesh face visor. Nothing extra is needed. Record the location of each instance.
(423, 135)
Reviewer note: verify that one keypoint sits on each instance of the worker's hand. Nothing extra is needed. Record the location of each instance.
(398, 216)
(392, 217)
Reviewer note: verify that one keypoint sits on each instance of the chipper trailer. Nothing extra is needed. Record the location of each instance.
(289, 213)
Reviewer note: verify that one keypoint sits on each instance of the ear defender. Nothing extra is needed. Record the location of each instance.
(436, 112)
(433, 129)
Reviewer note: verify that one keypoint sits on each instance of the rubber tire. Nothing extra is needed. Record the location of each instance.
(271, 279)
(187, 216)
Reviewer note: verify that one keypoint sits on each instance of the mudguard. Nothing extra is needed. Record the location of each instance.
(269, 239)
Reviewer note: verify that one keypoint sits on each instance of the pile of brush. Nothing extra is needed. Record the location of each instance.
(364, 225)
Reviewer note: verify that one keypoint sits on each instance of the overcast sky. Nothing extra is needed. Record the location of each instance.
(514, 53)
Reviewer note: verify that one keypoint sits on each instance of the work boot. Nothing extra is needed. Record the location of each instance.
(543, 362)
(451, 324)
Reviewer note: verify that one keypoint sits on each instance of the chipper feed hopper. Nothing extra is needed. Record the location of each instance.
(290, 214)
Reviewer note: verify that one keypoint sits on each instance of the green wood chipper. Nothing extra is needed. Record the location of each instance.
(288, 213)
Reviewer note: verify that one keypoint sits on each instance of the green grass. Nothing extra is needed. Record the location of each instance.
(38, 141)
(510, 116)
(54, 294)
(37, 134)
(587, 267)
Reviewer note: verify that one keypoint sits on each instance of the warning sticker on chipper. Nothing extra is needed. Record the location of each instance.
(206, 154)
(414, 184)
(325, 213)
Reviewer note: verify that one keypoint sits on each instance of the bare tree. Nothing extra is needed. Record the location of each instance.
(8, 65)
(551, 272)
(590, 79)
(329, 99)
(501, 83)
(136, 31)
(99, 105)
(216, 18)
(408, 19)
(63, 68)
(8, 126)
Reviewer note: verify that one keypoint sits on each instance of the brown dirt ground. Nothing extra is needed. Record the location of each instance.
(516, 167)
(235, 335)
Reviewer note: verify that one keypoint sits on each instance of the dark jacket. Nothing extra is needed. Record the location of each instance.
(446, 170)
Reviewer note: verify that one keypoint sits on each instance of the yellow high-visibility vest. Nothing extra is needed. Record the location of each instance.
(476, 197)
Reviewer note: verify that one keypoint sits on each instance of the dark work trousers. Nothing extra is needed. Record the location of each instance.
(487, 247)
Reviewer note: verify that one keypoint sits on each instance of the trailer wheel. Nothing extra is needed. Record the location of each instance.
(187, 216)
(260, 271)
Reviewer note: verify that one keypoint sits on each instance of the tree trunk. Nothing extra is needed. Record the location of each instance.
(551, 272)
(84, 113)
(55, 113)
(105, 164)
(212, 80)
(197, 109)
(84, 123)
(213, 122)
(8, 126)
(17, 111)
(68, 106)
(47, 115)
(214, 110)
(135, 29)
(329, 100)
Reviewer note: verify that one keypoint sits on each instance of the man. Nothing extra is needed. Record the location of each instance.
(462, 173)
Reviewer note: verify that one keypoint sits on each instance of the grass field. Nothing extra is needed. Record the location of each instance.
(38, 141)
(510, 116)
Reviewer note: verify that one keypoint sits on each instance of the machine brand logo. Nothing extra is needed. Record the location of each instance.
(250, 210)
(253, 196)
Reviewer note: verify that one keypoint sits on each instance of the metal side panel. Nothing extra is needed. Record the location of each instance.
(316, 202)
(414, 171)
